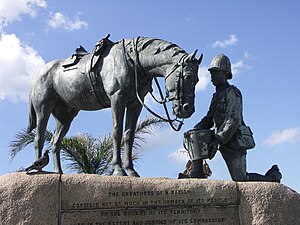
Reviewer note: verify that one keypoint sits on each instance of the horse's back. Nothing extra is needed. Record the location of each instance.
(75, 86)
(45, 74)
(42, 83)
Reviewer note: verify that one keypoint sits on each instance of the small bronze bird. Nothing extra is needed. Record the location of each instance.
(40, 163)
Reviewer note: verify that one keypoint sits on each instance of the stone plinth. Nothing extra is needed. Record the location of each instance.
(98, 200)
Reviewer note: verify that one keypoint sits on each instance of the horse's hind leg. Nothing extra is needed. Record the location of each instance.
(63, 115)
(132, 116)
(43, 111)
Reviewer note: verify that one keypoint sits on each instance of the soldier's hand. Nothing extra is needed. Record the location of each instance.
(213, 147)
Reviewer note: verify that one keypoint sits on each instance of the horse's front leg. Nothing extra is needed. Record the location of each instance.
(132, 116)
(118, 109)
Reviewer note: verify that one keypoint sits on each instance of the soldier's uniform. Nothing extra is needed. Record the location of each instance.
(225, 115)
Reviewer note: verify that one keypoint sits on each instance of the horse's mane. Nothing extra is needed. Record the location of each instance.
(160, 45)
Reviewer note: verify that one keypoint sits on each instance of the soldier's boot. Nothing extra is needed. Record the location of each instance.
(256, 177)
(272, 175)
(182, 176)
(197, 171)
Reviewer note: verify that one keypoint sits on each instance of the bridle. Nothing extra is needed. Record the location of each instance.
(178, 83)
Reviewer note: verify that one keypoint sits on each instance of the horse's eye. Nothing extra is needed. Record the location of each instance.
(188, 77)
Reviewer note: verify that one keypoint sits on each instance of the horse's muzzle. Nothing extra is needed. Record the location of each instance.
(183, 111)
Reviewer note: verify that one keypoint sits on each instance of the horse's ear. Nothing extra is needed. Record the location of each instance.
(200, 59)
(191, 56)
(194, 54)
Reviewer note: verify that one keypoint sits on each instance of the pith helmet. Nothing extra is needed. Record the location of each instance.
(221, 62)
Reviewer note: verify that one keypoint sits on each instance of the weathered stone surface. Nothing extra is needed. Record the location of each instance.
(97, 200)
(29, 199)
(268, 203)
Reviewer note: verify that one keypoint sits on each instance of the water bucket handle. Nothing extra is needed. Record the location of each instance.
(185, 135)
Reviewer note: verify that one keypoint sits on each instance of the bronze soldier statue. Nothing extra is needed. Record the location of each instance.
(232, 137)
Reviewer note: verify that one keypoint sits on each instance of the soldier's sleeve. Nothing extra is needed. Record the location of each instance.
(233, 116)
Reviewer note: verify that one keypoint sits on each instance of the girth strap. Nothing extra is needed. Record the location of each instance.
(97, 87)
(94, 75)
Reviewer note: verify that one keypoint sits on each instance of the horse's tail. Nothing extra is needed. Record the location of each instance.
(32, 117)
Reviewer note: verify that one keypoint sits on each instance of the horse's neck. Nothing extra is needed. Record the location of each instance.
(155, 62)
(158, 65)
(161, 66)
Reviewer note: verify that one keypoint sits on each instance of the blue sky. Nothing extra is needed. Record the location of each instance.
(260, 37)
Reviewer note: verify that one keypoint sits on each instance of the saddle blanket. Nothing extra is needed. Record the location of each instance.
(84, 63)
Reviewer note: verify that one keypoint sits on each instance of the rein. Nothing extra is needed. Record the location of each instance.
(163, 100)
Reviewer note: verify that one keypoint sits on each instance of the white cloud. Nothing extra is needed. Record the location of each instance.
(225, 43)
(18, 63)
(237, 66)
(11, 10)
(59, 20)
(204, 78)
(179, 156)
(289, 135)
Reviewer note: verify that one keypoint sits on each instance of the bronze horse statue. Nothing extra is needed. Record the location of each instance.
(117, 78)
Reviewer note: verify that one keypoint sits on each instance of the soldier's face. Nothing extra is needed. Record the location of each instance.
(218, 77)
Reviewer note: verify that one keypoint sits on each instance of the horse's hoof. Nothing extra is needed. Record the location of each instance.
(119, 172)
(133, 173)
(58, 171)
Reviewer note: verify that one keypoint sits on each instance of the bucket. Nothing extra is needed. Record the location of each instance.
(196, 142)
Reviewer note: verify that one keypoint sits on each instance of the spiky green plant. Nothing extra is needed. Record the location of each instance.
(23, 139)
(84, 153)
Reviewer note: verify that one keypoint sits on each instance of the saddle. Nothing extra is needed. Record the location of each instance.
(71, 63)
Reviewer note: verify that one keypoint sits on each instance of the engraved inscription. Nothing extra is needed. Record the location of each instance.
(164, 218)
(138, 202)
(150, 205)
(153, 222)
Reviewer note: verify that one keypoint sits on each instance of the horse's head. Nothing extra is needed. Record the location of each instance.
(180, 85)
